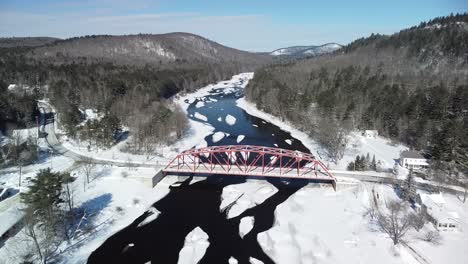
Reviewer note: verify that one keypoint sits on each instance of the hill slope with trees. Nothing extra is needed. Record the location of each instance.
(126, 78)
(411, 86)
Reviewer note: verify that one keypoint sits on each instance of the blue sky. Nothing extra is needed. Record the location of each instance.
(256, 25)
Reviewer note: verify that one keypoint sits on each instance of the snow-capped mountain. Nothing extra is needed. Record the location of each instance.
(290, 50)
(306, 51)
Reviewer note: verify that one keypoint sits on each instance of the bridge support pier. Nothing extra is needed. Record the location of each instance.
(158, 177)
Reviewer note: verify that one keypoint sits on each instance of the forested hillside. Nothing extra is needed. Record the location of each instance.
(26, 42)
(411, 86)
(161, 50)
(126, 78)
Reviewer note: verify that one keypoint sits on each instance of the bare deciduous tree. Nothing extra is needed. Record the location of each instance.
(180, 121)
(432, 237)
(465, 193)
(88, 168)
(396, 221)
(42, 235)
(333, 137)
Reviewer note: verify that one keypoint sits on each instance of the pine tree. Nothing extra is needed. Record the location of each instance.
(363, 164)
(368, 161)
(45, 194)
(408, 190)
(357, 163)
(373, 165)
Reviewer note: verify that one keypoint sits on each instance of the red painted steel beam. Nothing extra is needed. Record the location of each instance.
(190, 161)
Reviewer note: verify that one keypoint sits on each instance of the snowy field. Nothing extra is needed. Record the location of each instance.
(318, 225)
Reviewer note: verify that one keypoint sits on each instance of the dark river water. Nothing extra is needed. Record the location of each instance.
(191, 205)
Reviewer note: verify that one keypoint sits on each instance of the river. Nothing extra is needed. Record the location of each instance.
(197, 204)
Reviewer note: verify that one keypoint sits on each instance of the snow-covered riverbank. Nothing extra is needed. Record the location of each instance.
(384, 150)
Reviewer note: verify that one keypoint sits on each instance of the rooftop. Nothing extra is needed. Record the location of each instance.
(412, 154)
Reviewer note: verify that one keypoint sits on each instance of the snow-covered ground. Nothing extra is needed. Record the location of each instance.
(114, 198)
(160, 156)
(10, 176)
(318, 225)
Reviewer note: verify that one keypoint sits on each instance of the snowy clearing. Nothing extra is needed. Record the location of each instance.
(319, 225)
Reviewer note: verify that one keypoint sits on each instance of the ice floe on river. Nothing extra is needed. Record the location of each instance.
(200, 116)
(196, 243)
(218, 136)
(230, 120)
(246, 224)
(199, 104)
(245, 195)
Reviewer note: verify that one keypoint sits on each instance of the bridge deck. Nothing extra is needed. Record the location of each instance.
(256, 171)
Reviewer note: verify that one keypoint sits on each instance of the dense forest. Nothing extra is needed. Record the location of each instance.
(133, 94)
(411, 86)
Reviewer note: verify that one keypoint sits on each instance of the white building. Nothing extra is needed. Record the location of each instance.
(442, 217)
(413, 160)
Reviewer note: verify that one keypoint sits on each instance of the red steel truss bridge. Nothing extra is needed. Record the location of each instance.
(246, 160)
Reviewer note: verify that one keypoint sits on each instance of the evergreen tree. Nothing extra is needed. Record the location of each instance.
(357, 163)
(408, 190)
(45, 194)
(373, 165)
(368, 161)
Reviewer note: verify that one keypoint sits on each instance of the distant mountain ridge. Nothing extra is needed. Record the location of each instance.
(143, 49)
(306, 51)
(26, 41)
